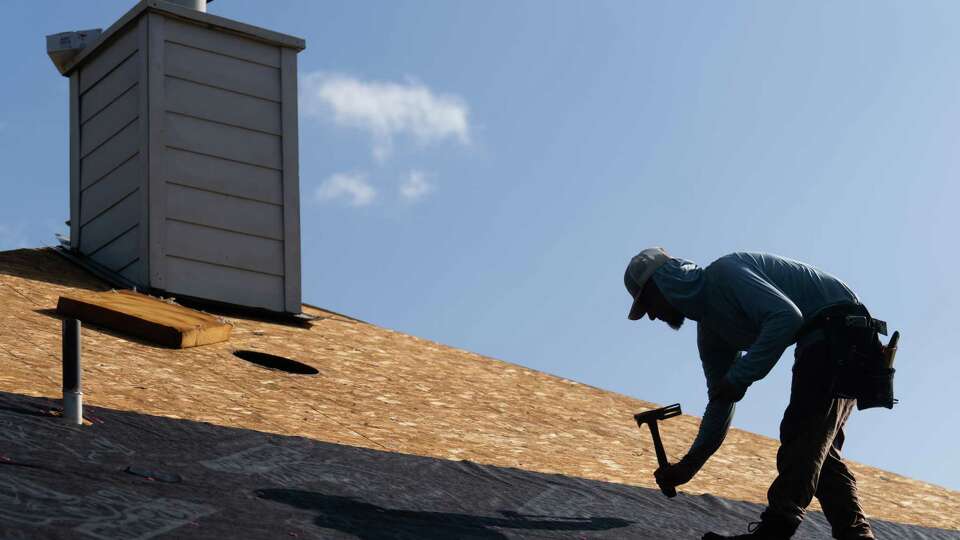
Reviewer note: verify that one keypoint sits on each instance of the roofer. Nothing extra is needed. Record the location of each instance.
(749, 308)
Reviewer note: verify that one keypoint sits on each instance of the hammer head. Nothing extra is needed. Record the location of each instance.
(657, 414)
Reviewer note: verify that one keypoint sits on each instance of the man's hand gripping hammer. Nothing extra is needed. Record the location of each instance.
(650, 418)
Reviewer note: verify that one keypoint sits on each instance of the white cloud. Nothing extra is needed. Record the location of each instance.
(350, 186)
(386, 109)
(415, 186)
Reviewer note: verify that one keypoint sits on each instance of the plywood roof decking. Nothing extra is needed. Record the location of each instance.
(390, 391)
(152, 319)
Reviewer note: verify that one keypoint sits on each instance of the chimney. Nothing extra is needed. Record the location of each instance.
(184, 155)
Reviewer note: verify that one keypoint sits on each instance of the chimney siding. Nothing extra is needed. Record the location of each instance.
(184, 157)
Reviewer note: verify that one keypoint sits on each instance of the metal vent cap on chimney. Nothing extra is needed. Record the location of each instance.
(65, 46)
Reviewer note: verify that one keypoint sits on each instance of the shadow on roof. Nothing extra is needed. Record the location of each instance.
(369, 521)
(131, 475)
(45, 265)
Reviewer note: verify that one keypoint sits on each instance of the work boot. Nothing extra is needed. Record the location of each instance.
(768, 529)
(857, 534)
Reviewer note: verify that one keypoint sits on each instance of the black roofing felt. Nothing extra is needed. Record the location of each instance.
(137, 476)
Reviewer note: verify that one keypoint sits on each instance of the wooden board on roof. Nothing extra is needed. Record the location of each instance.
(146, 317)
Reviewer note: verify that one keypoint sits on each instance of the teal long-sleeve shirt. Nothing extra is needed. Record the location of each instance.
(749, 308)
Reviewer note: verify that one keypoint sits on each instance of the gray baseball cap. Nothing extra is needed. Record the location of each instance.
(641, 267)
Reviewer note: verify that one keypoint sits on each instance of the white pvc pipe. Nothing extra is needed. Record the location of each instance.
(72, 373)
(73, 407)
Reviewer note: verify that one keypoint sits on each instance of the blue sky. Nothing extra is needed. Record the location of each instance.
(480, 174)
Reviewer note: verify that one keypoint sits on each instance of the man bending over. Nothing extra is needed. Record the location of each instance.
(749, 307)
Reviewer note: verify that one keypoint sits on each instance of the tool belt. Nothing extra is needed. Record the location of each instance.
(864, 365)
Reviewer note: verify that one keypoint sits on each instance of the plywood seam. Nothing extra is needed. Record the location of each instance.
(338, 422)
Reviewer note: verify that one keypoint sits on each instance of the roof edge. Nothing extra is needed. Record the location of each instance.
(173, 10)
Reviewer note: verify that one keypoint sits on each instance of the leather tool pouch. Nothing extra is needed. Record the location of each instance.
(863, 364)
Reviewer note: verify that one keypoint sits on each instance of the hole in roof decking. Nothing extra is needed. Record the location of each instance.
(272, 361)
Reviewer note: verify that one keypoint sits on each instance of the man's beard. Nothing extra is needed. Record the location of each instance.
(676, 323)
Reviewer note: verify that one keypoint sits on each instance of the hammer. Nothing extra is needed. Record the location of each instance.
(650, 418)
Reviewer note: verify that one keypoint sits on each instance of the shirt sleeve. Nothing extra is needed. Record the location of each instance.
(776, 316)
(716, 358)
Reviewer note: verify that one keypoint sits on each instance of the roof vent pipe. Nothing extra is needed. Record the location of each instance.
(199, 5)
(72, 385)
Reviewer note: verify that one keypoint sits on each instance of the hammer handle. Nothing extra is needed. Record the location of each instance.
(669, 491)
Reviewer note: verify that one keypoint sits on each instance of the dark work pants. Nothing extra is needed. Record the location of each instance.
(808, 461)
